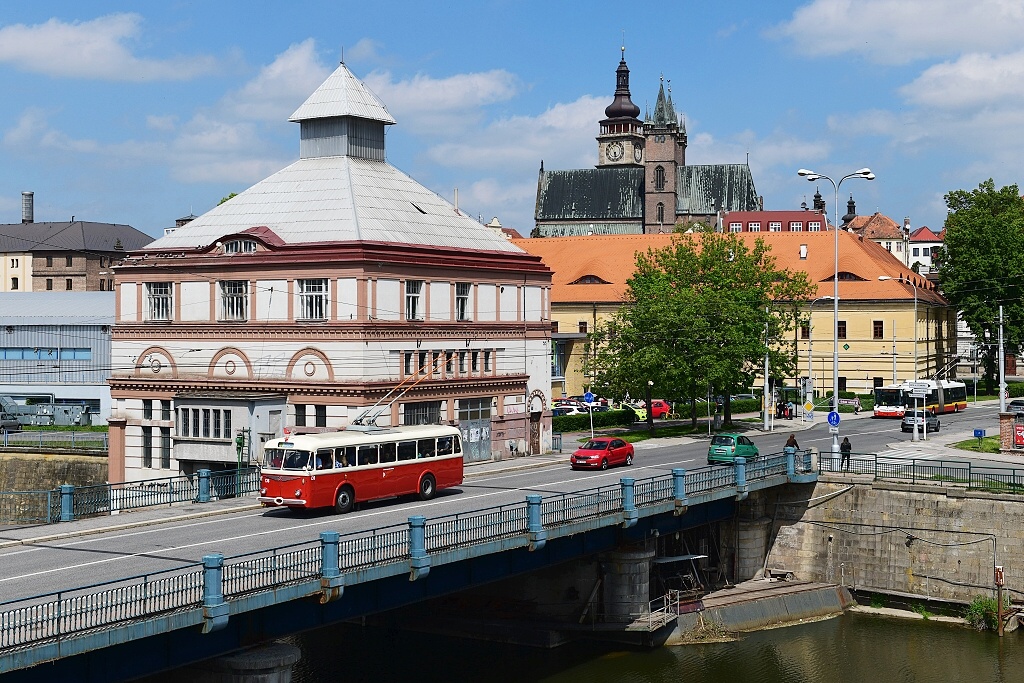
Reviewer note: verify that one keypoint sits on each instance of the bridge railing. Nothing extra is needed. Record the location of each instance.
(57, 615)
(97, 441)
(965, 473)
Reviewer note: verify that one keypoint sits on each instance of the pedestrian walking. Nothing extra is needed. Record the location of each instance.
(845, 448)
(856, 406)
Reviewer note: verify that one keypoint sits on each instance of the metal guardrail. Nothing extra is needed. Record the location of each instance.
(75, 502)
(97, 441)
(963, 473)
(54, 616)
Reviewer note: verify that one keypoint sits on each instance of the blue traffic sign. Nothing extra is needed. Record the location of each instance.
(588, 397)
(833, 418)
(979, 433)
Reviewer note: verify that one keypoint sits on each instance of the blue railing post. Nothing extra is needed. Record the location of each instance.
(67, 502)
(419, 561)
(790, 461)
(679, 490)
(332, 583)
(629, 513)
(204, 486)
(741, 478)
(215, 609)
(535, 528)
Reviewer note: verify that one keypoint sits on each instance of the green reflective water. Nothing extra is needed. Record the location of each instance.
(853, 648)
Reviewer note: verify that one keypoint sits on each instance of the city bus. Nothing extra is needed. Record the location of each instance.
(359, 463)
(944, 396)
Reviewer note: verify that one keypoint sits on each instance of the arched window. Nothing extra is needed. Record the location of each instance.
(661, 212)
(659, 178)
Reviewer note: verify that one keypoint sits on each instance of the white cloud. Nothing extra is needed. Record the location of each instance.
(31, 125)
(365, 51)
(280, 87)
(971, 81)
(164, 123)
(442, 105)
(900, 31)
(92, 49)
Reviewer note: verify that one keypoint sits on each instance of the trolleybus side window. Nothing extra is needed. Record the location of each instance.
(296, 460)
(387, 452)
(406, 450)
(425, 448)
(445, 445)
(324, 459)
(368, 455)
(346, 456)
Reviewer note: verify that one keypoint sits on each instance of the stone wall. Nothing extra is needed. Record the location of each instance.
(921, 540)
(47, 471)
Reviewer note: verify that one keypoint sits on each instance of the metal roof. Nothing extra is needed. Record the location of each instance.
(340, 199)
(71, 236)
(698, 188)
(342, 94)
(606, 193)
(56, 308)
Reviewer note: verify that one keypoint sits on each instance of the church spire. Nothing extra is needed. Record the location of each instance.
(661, 107)
(622, 106)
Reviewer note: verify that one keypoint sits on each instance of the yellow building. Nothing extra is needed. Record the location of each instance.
(876, 324)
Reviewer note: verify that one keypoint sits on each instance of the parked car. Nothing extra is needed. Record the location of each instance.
(601, 454)
(1015, 406)
(660, 408)
(567, 409)
(639, 409)
(744, 397)
(925, 420)
(725, 448)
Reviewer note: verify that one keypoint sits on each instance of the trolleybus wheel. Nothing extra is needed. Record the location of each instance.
(345, 500)
(428, 487)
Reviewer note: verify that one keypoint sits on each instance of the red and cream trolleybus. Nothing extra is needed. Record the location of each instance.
(359, 463)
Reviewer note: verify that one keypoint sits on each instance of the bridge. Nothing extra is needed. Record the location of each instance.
(137, 625)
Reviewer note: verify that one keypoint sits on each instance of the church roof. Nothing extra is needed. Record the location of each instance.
(697, 188)
(606, 193)
(342, 94)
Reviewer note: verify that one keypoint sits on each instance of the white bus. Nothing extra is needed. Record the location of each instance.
(944, 396)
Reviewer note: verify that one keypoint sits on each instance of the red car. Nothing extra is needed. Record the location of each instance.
(601, 453)
(660, 408)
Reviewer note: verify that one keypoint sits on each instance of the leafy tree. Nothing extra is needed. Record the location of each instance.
(982, 265)
(695, 317)
(224, 199)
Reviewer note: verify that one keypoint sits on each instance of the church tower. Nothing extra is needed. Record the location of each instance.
(665, 156)
(621, 142)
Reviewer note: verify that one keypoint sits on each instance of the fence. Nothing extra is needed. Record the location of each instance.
(92, 441)
(57, 615)
(963, 473)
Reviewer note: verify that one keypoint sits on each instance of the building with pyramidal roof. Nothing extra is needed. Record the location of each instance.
(309, 297)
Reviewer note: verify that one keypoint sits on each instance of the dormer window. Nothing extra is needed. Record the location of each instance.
(240, 246)
(590, 280)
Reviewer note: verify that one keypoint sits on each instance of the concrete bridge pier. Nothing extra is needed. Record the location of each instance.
(627, 583)
(268, 663)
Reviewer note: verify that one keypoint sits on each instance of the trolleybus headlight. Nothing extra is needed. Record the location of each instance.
(263, 491)
(298, 492)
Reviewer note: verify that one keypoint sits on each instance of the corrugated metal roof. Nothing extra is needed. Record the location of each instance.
(342, 94)
(340, 199)
(698, 187)
(605, 193)
(56, 308)
(571, 229)
(67, 236)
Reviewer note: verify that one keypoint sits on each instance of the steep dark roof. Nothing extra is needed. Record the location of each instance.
(698, 186)
(77, 236)
(609, 193)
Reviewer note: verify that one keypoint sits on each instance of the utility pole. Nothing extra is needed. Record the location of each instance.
(894, 352)
(1002, 366)
(767, 403)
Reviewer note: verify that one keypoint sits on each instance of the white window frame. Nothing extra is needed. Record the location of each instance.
(159, 301)
(313, 295)
(775, 226)
(813, 226)
(796, 226)
(414, 300)
(234, 300)
(240, 247)
(735, 227)
(754, 227)
(463, 290)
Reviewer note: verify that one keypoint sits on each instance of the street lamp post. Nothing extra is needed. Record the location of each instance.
(865, 174)
(908, 281)
(810, 356)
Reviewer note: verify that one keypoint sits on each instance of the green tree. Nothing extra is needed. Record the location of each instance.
(224, 199)
(982, 265)
(695, 317)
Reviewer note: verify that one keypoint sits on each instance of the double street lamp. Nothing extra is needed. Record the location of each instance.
(864, 174)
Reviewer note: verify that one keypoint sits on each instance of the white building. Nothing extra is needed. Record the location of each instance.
(925, 245)
(322, 290)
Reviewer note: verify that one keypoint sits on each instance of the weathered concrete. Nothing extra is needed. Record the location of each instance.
(268, 663)
(47, 471)
(925, 540)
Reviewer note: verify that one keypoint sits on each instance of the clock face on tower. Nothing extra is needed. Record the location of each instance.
(638, 153)
(614, 151)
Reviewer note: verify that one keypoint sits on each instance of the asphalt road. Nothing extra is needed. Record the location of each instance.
(38, 567)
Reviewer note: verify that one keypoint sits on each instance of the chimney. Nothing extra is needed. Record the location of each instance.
(906, 225)
(27, 207)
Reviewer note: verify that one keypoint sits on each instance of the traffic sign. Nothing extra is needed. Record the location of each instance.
(833, 418)
(833, 430)
(809, 407)
(918, 385)
(979, 433)
(588, 397)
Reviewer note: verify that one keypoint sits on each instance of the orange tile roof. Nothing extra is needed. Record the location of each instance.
(876, 227)
(612, 258)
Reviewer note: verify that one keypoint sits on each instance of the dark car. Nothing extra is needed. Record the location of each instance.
(1015, 406)
(602, 453)
(925, 420)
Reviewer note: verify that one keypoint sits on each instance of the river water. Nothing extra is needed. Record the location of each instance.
(853, 648)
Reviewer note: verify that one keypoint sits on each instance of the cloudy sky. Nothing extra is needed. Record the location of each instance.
(115, 114)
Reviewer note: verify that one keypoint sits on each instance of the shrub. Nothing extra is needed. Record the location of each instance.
(982, 614)
(581, 423)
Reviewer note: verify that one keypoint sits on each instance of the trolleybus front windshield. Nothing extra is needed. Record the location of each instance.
(889, 397)
(285, 459)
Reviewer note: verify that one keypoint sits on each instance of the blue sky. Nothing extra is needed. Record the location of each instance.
(139, 113)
